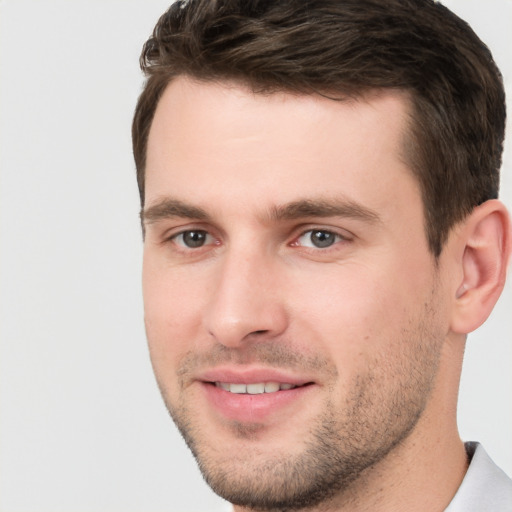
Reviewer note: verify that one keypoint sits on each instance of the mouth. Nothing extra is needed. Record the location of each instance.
(255, 397)
(256, 388)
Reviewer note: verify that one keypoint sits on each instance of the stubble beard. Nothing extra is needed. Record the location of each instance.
(343, 443)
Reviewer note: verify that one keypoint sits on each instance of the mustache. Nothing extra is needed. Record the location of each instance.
(276, 355)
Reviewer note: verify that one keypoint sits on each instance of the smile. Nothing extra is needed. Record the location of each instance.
(254, 394)
(256, 388)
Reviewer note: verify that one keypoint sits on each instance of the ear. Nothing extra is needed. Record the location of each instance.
(486, 238)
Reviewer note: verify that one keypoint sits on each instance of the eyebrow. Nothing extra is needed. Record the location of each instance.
(169, 208)
(324, 208)
(303, 208)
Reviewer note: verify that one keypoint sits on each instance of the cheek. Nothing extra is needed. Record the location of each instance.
(172, 294)
(373, 330)
(347, 301)
(355, 310)
(171, 314)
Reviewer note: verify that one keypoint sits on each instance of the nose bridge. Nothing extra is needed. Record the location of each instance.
(246, 299)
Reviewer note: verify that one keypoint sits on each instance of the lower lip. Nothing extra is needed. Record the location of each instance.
(253, 408)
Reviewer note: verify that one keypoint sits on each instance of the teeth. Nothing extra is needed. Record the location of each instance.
(238, 388)
(271, 387)
(254, 389)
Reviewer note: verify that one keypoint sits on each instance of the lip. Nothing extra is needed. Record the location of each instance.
(252, 376)
(248, 408)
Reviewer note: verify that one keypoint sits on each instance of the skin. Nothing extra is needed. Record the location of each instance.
(370, 321)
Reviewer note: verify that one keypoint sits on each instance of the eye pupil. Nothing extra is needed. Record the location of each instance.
(322, 238)
(194, 238)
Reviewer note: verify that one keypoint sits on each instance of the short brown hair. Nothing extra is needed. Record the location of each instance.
(350, 47)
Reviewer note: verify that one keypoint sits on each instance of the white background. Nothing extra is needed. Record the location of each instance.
(82, 425)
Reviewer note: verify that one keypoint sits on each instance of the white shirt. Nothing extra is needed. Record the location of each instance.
(485, 488)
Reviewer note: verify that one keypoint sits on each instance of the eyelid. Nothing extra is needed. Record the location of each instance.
(170, 235)
(180, 228)
(182, 244)
(341, 235)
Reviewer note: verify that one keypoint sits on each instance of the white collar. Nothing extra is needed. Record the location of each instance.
(484, 488)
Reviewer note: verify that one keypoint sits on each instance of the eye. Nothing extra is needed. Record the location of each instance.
(318, 239)
(193, 238)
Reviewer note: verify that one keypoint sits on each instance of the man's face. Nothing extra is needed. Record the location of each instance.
(292, 306)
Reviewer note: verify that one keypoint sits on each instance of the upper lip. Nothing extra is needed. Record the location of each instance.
(253, 375)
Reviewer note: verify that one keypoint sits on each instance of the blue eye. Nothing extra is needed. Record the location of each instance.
(193, 239)
(318, 238)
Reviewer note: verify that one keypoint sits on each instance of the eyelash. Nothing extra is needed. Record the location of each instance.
(337, 238)
(183, 246)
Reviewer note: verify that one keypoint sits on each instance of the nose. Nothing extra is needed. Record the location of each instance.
(246, 302)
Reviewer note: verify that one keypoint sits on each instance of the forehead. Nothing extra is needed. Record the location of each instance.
(219, 142)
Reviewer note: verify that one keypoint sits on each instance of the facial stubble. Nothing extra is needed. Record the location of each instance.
(343, 442)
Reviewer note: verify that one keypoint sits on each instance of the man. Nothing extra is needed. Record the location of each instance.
(318, 183)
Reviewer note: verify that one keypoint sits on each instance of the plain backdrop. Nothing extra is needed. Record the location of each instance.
(82, 425)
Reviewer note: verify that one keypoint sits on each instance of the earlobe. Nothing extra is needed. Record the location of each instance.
(487, 243)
